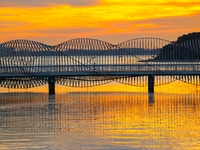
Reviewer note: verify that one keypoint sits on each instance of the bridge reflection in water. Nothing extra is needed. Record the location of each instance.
(88, 62)
(100, 120)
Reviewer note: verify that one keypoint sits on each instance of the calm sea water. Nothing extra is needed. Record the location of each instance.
(90, 120)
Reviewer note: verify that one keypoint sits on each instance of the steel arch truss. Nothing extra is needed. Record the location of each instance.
(85, 55)
(22, 82)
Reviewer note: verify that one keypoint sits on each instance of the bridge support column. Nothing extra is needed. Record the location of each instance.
(151, 84)
(51, 84)
(151, 98)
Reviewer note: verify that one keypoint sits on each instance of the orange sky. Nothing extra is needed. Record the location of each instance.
(115, 21)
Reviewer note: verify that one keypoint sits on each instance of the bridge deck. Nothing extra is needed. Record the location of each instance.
(124, 73)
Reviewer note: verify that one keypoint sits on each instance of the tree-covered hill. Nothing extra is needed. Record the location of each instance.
(186, 48)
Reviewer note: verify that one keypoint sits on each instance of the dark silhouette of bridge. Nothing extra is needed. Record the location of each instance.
(88, 62)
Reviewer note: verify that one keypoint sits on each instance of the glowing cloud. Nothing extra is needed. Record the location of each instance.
(27, 19)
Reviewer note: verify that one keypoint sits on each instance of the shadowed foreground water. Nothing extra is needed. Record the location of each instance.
(99, 121)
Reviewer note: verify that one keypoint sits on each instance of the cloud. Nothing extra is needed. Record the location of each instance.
(181, 3)
(38, 3)
(107, 18)
(175, 22)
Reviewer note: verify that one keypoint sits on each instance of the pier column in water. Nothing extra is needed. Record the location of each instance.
(51, 84)
(151, 84)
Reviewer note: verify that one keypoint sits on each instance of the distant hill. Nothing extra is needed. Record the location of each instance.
(10, 52)
(187, 37)
(187, 48)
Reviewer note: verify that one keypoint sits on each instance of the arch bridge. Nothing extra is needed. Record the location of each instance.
(86, 62)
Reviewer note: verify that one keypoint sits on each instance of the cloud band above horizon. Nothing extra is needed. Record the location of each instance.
(92, 18)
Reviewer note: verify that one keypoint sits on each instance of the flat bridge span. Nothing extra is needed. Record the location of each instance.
(88, 62)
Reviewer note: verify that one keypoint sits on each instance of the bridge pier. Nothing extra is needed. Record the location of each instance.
(150, 84)
(51, 84)
(151, 98)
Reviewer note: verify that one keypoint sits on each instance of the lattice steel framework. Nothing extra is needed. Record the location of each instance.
(98, 57)
(16, 57)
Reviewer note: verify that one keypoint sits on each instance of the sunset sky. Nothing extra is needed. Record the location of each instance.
(55, 21)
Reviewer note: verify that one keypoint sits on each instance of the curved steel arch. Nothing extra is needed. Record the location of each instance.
(92, 55)
(78, 81)
(19, 53)
(194, 80)
(19, 56)
(147, 46)
(21, 44)
(82, 51)
(143, 51)
(193, 46)
(84, 44)
(115, 50)
(22, 82)
(82, 54)
(144, 38)
(191, 52)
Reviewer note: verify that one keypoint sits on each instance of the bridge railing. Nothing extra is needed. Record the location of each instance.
(56, 69)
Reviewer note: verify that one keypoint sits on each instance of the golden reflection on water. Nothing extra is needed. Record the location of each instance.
(104, 120)
(174, 87)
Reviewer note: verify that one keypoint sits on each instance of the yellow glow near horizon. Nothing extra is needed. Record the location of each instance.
(176, 87)
(106, 17)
